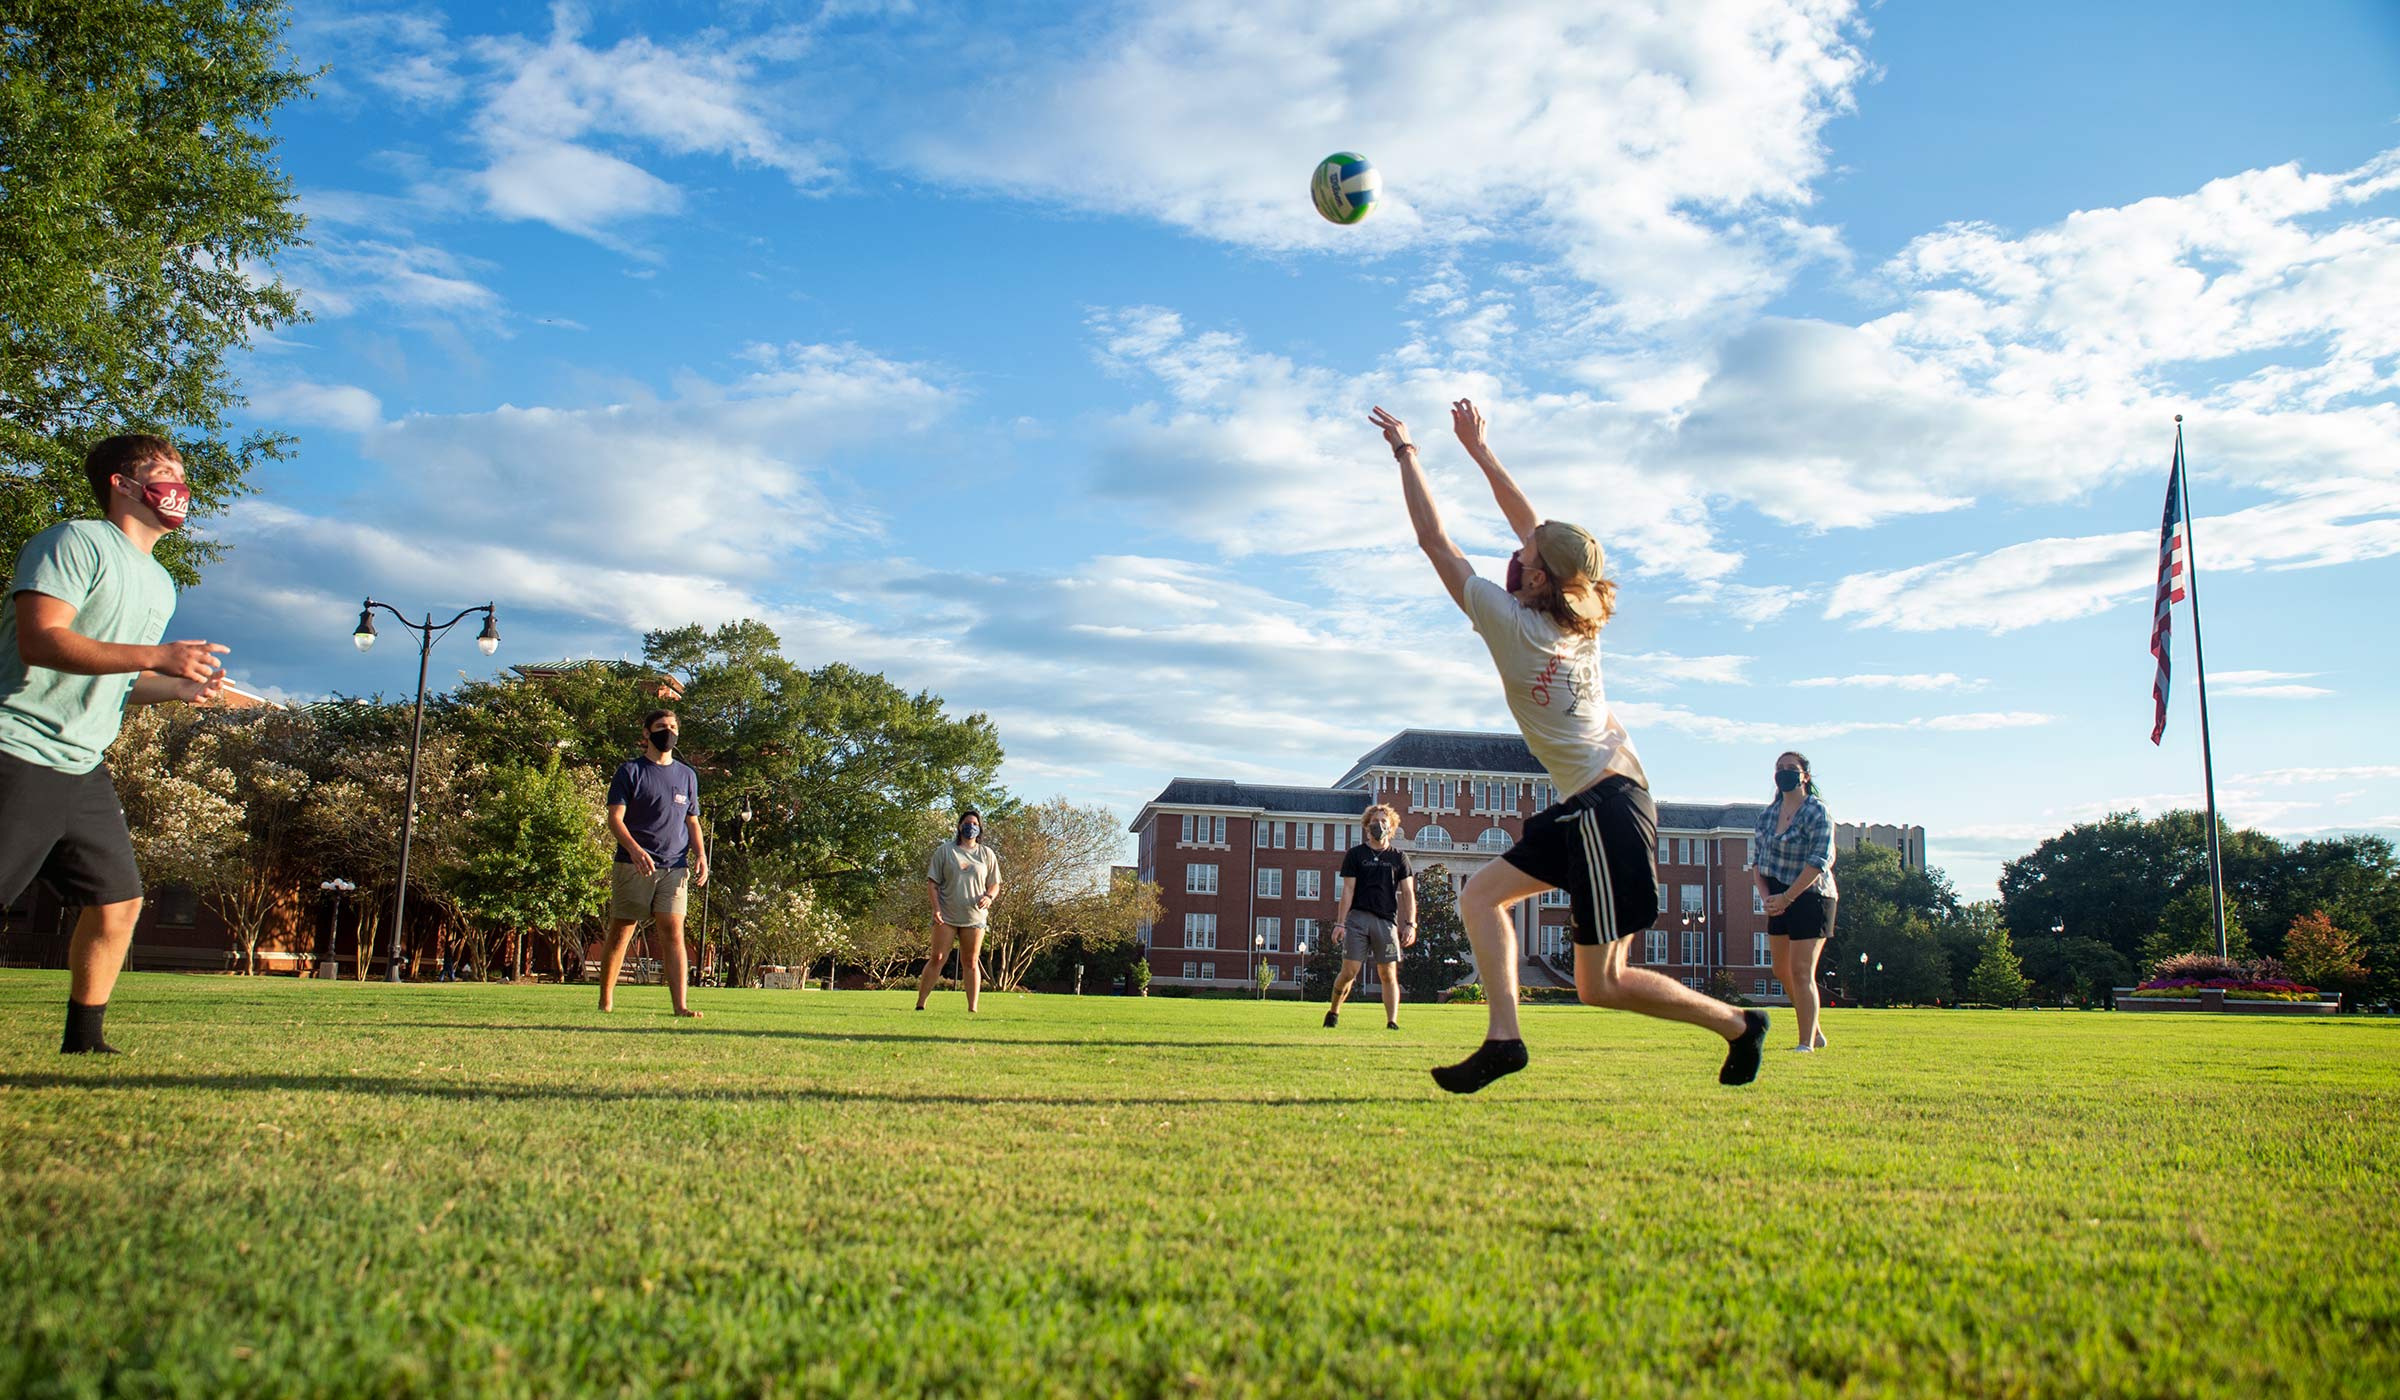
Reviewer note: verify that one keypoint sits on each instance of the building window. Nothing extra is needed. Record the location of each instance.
(1272, 931)
(1337, 886)
(1758, 949)
(1433, 836)
(1208, 972)
(1187, 827)
(1199, 930)
(1750, 853)
(1270, 884)
(1191, 972)
(1493, 839)
(177, 907)
(1666, 849)
(1776, 984)
(1759, 987)
(1654, 950)
(1695, 899)
(1662, 896)
(1555, 899)
(1758, 900)
(1219, 838)
(1692, 982)
(1200, 879)
(1305, 883)
(1304, 935)
(1691, 947)
(1260, 828)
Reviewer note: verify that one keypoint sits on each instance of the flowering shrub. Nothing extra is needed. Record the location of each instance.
(2253, 979)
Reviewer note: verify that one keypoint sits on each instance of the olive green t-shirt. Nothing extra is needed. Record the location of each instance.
(120, 594)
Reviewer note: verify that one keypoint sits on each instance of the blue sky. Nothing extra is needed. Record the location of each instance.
(997, 348)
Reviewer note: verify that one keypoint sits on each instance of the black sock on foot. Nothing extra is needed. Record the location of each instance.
(1492, 1060)
(1741, 1058)
(1395, 1025)
(1333, 1018)
(83, 1030)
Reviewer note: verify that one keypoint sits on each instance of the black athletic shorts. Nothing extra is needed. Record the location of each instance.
(1601, 847)
(1811, 915)
(66, 828)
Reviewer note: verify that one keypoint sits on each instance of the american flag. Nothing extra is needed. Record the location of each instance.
(2174, 567)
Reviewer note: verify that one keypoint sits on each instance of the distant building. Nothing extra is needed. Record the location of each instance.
(1908, 841)
(1249, 872)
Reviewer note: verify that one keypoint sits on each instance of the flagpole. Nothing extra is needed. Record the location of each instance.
(2208, 767)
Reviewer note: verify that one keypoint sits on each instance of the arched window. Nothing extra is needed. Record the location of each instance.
(1493, 839)
(1433, 835)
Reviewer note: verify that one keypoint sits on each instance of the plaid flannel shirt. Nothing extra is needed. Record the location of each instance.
(1782, 851)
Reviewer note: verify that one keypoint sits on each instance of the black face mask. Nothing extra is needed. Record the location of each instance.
(968, 831)
(1787, 779)
(662, 740)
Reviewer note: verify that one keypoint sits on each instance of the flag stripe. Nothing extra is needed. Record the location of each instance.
(2173, 564)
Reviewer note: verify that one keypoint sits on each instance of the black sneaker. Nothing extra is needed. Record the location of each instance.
(1492, 1060)
(1391, 1025)
(1332, 1019)
(1741, 1057)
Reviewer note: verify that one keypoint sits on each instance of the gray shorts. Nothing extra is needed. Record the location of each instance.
(1369, 939)
(633, 896)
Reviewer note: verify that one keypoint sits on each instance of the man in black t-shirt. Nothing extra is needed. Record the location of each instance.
(1378, 914)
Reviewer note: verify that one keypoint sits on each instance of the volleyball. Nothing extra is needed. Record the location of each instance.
(1345, 187)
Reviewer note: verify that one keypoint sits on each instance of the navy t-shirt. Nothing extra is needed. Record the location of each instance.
(1375, 878)
(657, 797)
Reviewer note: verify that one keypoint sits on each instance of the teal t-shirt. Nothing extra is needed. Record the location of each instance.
(121, 595)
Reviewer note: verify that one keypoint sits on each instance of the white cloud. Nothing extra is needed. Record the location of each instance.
(1751, 605)
(1657, 152)
(297, 402)
(402, 55)
(1722, 730)
(2364, 772)
(546, 111)
(1873, 680)
(1638, 670)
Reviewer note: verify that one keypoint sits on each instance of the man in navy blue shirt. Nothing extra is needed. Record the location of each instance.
(654, 812)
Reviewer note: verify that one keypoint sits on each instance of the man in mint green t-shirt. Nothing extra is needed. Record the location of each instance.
(79, 641)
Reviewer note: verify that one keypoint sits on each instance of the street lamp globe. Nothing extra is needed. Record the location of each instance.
(364, 637)
(488, 640)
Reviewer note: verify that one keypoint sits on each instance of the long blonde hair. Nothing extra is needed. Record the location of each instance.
(1580, 606)
(1391, 819)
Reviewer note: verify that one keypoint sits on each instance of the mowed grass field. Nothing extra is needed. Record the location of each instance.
(293, 1188)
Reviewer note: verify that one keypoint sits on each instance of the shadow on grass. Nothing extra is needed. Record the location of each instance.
(264, 1083)
(687, 1028)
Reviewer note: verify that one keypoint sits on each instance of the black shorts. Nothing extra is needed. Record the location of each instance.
(66, 828)
(1601, 847)
(1811, 915)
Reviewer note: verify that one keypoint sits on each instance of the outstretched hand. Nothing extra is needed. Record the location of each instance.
(1467, 421)
(1395, 432)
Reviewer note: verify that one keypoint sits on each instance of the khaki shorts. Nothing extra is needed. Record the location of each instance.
(633, 896)
(1368, 939)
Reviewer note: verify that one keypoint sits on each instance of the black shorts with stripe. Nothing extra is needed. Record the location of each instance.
(1601, 847)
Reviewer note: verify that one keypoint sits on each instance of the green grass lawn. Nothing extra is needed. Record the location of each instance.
(293, 1188)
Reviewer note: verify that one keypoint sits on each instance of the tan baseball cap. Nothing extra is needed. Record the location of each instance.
(1568, 551)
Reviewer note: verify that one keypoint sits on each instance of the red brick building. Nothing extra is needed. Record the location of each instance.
(1248, 873)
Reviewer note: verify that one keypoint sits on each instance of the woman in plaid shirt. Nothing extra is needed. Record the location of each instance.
(1793, 863)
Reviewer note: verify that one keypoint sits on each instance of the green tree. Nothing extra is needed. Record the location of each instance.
(1442, 957)
(532, 860)
(837, 765)
(2188, 925)
(140, 203)
(1997, 979)
(273, 756)
(179, 797)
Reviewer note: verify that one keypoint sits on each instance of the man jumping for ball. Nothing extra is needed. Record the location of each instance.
(1599, 844)
(78, 643)
(1378, 914)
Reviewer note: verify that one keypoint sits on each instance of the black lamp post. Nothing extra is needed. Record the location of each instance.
(487, 641)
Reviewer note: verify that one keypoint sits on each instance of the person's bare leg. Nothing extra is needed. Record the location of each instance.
(970, 965)
(612, 960)
(666, 934)
(1343, 984)
(942, 937)
(1604, 978)
(103, 933)
(1800, 983)
(1389, 973)
(1780, 952)
(1485, 902)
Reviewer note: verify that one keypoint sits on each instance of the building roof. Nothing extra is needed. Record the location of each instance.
(1708, 816)
(1448, 751)
(1218, 792)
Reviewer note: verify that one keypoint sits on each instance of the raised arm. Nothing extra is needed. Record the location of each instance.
(1467, 420)
(1448, 563)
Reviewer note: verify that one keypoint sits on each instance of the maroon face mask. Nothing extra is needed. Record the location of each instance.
(170, 501)
(1516, 573)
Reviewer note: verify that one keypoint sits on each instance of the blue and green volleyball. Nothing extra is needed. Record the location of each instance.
(1346, 187)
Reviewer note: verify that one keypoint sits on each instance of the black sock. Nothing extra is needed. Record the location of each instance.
(1491, 1060)
(83, 1030)
(1741, 1058)
(1333, 1018)
(1391, 1025)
